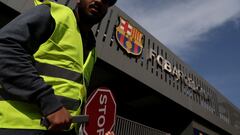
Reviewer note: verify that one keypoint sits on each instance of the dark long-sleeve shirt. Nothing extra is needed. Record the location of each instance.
(19, 40)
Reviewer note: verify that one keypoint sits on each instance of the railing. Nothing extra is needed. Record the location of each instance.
(125, 126)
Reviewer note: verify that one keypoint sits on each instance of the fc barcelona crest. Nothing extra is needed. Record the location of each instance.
(129, 37)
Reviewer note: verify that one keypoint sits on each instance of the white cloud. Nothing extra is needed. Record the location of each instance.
(178, 24)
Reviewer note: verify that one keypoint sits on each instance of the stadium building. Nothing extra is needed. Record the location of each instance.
(156, 92)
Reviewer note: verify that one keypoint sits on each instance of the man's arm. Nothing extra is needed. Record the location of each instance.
(18, 41)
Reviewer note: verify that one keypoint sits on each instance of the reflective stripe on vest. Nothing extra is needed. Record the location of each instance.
(54, 71)
(63, 50)
(69, 103)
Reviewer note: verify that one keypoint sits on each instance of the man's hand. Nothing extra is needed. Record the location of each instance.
(59, 120)
(109, 133)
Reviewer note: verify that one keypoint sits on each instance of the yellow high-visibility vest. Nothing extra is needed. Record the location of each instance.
(62, 53)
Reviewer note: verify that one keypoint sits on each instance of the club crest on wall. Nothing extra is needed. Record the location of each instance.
(129, 37)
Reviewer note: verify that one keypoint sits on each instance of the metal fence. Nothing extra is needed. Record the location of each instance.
(125, 126)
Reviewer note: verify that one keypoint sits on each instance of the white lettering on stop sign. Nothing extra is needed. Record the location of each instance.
(102, 111)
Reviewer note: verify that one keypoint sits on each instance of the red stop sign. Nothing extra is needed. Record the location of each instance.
(101, 109)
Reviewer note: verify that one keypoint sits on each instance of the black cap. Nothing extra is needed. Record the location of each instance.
(112, 2)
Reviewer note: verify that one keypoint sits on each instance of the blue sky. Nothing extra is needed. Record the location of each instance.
(203, 33)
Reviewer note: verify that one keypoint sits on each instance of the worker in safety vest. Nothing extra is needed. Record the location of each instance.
(46, 58)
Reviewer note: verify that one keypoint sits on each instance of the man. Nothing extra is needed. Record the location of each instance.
(47, 55)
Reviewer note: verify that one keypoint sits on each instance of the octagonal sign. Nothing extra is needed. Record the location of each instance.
(101, 109)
